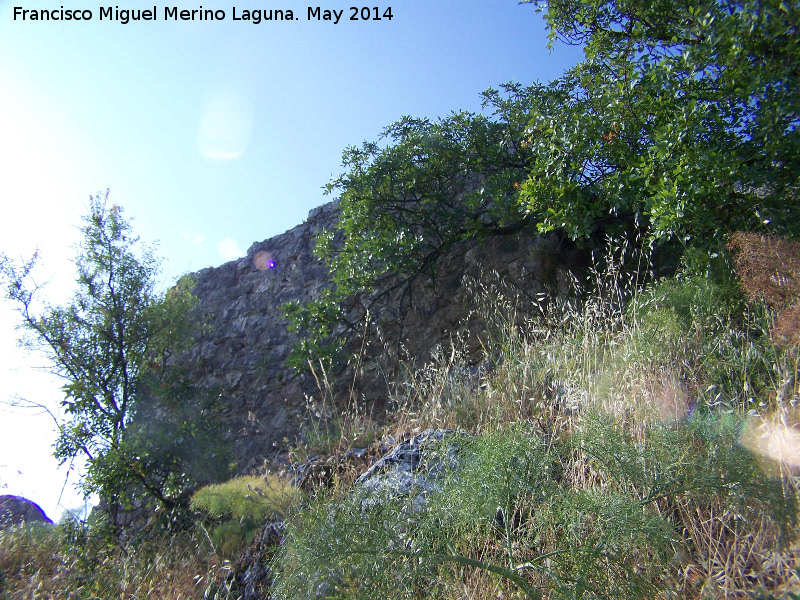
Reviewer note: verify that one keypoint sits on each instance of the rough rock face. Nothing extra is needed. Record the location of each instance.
(251, 571)
(415, 466)
(244, 351)
(16, 509)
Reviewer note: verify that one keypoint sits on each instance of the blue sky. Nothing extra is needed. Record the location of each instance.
(212, 135)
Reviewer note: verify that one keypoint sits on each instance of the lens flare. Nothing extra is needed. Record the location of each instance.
(229, 249)
(776, 437)
(226, 125)
(263, 261)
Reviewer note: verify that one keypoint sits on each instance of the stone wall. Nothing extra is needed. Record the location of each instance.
(244, 351)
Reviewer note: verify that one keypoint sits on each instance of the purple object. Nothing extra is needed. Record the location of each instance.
(16, 509)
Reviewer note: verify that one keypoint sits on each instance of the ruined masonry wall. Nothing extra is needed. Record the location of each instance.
(244, 352)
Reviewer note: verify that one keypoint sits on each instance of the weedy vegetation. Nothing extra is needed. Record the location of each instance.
(642, 449)
(638, 438)
(81, 561)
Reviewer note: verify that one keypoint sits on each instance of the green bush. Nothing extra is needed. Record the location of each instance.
(601, 515)
(567, 541)
(240, 506)
(250, 498)
(697, 302)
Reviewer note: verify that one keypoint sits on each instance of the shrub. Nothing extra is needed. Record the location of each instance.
(75, 560)
(769, 273)
(240, 506)
(250, 497)
(768, 267)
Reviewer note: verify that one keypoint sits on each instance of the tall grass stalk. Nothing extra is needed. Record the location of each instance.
(642, 401)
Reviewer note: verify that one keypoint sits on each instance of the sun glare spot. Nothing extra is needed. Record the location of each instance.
(192, 237)
(229, 249)
(226, 126)
(777, 438)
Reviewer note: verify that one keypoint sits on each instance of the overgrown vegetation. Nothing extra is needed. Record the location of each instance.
(644, 450)
(638, 439)
(77, 560)
(613, 452)
(679, 128)
(146, 433)
(657, 455)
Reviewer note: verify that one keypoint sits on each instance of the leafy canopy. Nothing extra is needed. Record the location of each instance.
(680, 125)
(683, 117)
(405, 204)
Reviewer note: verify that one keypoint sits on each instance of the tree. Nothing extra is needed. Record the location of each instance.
(683, 118)
(679, 127)
(113, 344)
(406, 203)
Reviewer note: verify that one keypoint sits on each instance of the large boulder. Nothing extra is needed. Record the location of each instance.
(415, 468)
(15, 510)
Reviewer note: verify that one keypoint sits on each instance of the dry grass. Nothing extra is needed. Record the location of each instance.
(667, 354)
(330, 429)
(768, 267)
(630, 367)
(47, 563)
(732, 555)
(769, 271)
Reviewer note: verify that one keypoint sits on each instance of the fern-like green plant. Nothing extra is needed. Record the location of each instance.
(592, 517)
(249, 497)
(236, 508)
